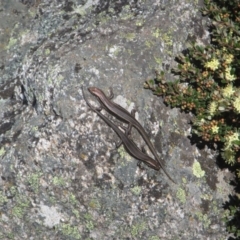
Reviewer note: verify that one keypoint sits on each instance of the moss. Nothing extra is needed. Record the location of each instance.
(181, 195)
(197, 170)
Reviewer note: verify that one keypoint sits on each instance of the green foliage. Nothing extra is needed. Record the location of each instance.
(208, 84)
(232, 218)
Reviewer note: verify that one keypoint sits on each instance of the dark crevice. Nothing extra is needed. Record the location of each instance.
(24, 99)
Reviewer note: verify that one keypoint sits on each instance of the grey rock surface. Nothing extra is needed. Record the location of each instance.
(61, 176)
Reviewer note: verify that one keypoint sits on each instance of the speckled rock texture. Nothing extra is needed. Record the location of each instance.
(61, 175)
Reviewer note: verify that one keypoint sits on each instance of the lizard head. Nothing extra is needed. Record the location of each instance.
(96, 91)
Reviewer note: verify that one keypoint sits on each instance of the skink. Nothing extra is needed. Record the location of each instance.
(124, 115)
(129, 145)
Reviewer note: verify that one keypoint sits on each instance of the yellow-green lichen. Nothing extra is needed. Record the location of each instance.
(18, 211)
(3, 198)
(167, 38)
(136, 190)
(10, 236)
(130, 36)
(60, 77)
(80, 10)
(130, 52)
(111, 10)
(34, 129)
(94, 204)
(89, 225)
(204, 219)
(87, 216)
(181, 195)
(138, 228)
(125, 13)
(49, 80)
(89, 221)
(114, 51)
(139, 22)
(13, 190)
(149, 43)
(123, 153)
(154, 238)
(184, 180)
(32, 12)
(76, 213)
(52, 200)
(72, 199)
(207, 197)
(158, 60)
(12, 42)
(156, 33)
(59, 181)
(47, 51)
(197, 170)
(20, 208)
(2, 151)
(33, 180)
(215, 207)
(103, 18)
(70, 231)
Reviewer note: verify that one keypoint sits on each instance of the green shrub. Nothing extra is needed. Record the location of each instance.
(208, 84)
